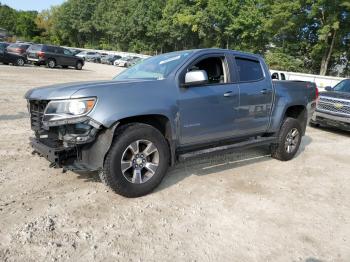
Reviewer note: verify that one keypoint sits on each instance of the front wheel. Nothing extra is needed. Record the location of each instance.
(137, 160)
(78, 65)
(288, 141)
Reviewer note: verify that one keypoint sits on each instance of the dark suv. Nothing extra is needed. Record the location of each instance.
(53, 56)
(18, 49)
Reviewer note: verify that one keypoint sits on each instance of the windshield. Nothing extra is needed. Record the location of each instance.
(156, 67)
(343, 86)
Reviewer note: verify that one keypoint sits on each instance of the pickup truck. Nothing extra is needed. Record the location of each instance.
(166, 109)
(333, 107)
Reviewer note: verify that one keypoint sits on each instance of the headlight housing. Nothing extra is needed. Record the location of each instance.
(65, 110)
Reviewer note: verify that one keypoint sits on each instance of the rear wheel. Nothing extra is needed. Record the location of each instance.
(79, 65)
(288, 141)
(137, 160)
(51, 63)
(20, 62)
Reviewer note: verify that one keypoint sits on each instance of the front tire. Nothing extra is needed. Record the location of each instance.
(137, 160)
(79, 65)
(288, 141)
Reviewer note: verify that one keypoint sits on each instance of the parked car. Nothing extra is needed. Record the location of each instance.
(168, 108)
(18, 49)
(90, 56)
(333, 107)
(124, 61)
(10, 58)
(134, 61)
(116, 62)
(109, 59)
(53, 56)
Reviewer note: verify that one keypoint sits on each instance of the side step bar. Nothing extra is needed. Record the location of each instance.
(228, 148)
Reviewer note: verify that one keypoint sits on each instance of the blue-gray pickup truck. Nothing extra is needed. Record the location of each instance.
(166, 109)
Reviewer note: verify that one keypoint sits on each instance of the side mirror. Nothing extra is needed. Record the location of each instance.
(197, 77)
(328, 88)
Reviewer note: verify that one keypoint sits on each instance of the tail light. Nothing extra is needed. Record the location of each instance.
(41, 54)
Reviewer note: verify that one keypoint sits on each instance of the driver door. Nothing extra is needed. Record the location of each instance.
(207, 111)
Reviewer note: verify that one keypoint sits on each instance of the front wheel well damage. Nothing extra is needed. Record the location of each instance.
(160, 122)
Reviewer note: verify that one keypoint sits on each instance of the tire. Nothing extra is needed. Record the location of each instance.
(79, 65)
(289, 140)
(127, 183)
(6, 63)
(51, 63)
(20, 62)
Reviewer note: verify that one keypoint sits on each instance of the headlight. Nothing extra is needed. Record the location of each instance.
(67, 109)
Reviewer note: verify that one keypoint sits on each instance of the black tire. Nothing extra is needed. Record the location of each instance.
(51, 63)
(20, 62)
(112, 174)
(6, 63)
(79, 65)
(279, 150)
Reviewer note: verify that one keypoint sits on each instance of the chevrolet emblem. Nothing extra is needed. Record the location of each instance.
(338, 105)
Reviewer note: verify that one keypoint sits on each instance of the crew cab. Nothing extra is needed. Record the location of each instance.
(333, 107)
(166, 109)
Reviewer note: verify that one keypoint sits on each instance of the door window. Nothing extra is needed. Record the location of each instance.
(67, 52)
(249, 70)
(214, 66)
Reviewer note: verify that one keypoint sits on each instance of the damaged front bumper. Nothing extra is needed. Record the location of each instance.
(78, 147)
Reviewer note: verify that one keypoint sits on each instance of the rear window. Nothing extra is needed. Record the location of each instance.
(35, 47)
(249, 70)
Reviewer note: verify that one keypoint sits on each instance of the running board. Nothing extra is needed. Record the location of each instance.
(228, 148)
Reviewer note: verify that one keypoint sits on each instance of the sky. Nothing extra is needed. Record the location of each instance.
(26, 5)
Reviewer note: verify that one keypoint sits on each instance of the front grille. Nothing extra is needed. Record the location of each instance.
(37, 108)
(333, 105)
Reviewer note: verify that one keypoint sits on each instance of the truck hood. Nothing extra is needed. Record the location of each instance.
(334, 94)
(67, 90)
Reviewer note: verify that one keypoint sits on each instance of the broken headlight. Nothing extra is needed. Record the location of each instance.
(68, 111)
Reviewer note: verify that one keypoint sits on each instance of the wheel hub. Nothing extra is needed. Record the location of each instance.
(140, 161)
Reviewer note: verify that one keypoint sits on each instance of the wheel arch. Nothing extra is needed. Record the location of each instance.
(298, 112)
(161, 122)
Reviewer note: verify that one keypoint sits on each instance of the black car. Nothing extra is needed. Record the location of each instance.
(9, 58)
(333, 107)
(19, 48)
(109, 59)
(53, 56)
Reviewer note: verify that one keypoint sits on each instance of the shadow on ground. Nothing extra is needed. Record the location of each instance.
(208, 165)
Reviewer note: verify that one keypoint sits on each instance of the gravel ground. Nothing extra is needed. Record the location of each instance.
(233, 207)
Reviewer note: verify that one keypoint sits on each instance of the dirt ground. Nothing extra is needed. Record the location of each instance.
(233, 207)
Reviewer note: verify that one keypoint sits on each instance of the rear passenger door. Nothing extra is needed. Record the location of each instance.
(255, 96)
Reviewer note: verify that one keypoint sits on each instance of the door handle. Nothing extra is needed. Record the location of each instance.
(265, 91)
(228, 94)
